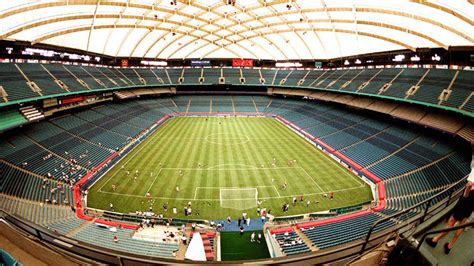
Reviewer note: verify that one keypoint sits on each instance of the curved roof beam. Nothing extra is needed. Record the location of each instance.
(421, 2)
(239, 33)
(220, 17)
(365, 22)
(92, 25)
(182, 47)
(368, 34)
(144, 36)
(377, 11)
(275, 2)
(290, 26)
(130, 30)
(172, 42)
(154, 43)
(110, 26)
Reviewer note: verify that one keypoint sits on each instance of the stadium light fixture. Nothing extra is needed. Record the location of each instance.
(154, 63)
(415, 58)
(346, 63)
(358, 62)
(436, 57)
(399, 58)
(288, 64)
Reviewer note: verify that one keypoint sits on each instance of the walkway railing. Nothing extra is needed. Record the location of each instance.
(451, 192)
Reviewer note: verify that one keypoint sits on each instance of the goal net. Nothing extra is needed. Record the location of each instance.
(238, 198)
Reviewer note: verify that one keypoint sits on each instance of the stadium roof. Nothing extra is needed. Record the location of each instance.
(259, 29)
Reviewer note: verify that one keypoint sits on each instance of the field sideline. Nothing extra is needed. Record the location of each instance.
(224, 166)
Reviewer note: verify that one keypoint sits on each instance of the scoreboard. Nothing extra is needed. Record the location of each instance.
(242, 62)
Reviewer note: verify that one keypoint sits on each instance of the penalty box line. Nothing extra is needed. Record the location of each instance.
(235, 188)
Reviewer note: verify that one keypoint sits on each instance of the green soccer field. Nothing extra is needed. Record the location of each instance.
(226, 166)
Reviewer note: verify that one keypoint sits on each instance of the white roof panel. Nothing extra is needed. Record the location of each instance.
(276, 29)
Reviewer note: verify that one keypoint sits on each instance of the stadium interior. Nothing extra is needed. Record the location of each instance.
(140, 132)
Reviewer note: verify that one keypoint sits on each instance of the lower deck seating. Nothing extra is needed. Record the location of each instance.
(103, 237)
(333, 234)
(21, 184)
(290, 243)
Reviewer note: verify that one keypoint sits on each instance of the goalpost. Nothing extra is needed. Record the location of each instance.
(238, 198)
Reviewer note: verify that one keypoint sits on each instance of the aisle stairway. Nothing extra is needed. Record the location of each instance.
(31, 113)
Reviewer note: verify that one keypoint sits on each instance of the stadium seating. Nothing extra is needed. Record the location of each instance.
(14, 83)
(333, 234)
(290, 243)
(200, 104)
(413, 162)
(192, 75)
(417, 84)
(222, 104)
(104, 237)
(21, 184)
(252, 76)
(244, 104)
(461, 89)
(232, 75)
(44, 80)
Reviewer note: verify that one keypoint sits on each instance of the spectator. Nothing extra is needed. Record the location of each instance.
(116, 239)
(460, 213)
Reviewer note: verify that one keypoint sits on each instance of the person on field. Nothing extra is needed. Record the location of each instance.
(460, 213)
(252, 237)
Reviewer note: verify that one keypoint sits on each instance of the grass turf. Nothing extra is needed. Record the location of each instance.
(226, 158)
(237, 247)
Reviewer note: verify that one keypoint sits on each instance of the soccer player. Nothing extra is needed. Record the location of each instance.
(177, 189)
(114, 187)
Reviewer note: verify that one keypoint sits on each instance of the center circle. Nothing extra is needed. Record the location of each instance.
(227, 139)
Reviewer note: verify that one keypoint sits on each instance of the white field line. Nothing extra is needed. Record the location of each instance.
(244, 165)
(264, 198)
(346, 172)
(276, 191)
(233, 169)
(320, 188)
(352, 175)
(156, 176)
(128, 160)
